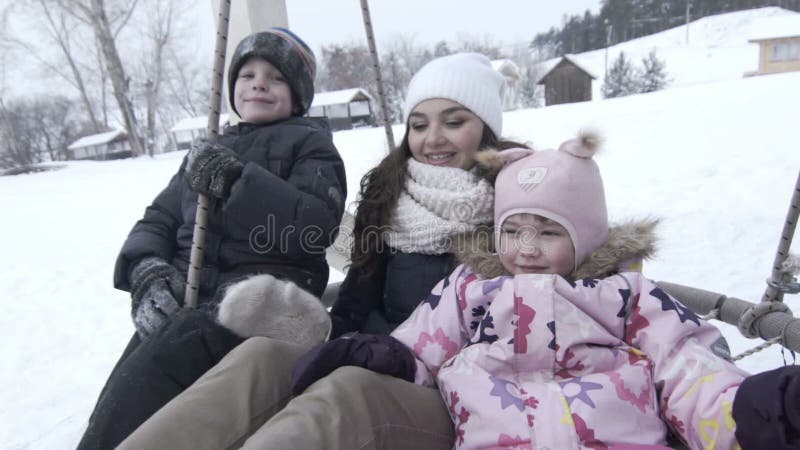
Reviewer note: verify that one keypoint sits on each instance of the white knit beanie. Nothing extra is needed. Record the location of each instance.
(465, 78)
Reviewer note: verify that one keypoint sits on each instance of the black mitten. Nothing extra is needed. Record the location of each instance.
(212, 169)
(378, 353)
(767, 410)
(157, 291)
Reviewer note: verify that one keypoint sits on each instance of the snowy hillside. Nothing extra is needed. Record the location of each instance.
(717, 161)
(717, 49)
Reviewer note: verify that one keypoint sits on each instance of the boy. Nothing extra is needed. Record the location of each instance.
(277, 188)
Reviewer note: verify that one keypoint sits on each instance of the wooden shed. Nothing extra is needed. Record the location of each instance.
(187, 130)
(344, 109)
(778, 39)
(109, 145)
(566, 82)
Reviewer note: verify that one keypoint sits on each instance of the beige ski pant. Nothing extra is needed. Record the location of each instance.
(244, 402)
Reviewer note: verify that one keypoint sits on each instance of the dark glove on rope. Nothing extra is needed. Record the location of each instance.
(157, 291)
(212, 169)
(378, 353)
(767, 410)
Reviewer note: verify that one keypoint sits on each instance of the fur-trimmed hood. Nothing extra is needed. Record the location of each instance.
(628, 244)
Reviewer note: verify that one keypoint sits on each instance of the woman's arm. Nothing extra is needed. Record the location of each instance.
(358, 297)
(435, 331)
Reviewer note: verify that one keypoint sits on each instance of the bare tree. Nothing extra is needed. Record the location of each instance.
(94, 13)
(188, 85)
(479, 44)
(14, 152)
(37, 129)
(158, 33)
(60, 31)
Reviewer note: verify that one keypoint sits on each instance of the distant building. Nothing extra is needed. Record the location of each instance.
(778, 39)
(109, 145)
(191, 128)
(345, 109)
(566, 81)
(513, 76)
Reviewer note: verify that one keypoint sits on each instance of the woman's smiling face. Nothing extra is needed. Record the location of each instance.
(444, 133)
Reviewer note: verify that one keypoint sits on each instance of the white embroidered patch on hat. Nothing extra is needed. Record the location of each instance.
(531, 176)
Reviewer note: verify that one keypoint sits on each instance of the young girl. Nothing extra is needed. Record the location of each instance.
(270, 179)
(425, 192)
(545, 344)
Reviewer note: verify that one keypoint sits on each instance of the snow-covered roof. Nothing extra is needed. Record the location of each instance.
(339, 97)
(507, 67)
(783, 26)
(197, 123)
(546, 67)
(96, 139)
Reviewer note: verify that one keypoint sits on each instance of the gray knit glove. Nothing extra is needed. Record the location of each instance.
(157, 291)
(212, 168)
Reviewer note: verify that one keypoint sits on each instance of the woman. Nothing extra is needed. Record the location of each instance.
(422, 195)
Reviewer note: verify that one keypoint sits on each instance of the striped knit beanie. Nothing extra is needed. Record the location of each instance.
(288, 53)
(465, 78)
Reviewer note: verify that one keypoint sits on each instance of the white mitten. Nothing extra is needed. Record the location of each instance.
(263, 305)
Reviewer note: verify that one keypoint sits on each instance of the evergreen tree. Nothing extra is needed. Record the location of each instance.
(654, 75)
(530, 95)
(621, 79)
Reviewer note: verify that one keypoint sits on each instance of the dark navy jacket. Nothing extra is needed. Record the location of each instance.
(384, 300)
(282, 213)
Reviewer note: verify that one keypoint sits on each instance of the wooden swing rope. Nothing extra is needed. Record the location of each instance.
(376, 67)
(770, 319)
(212, 133)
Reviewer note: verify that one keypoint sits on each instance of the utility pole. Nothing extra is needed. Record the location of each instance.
(688, 9)
(609, 27)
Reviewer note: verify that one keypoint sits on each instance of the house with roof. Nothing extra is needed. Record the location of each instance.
(344, 109)
(566, 80)
(191, 128)
(778, 39)
(513, 75)
(109, 145)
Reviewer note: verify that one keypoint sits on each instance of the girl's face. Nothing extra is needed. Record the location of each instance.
(444, 133)
(533, 244)
(261, 93)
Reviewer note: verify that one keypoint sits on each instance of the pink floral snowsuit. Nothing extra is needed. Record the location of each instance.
(538, 362)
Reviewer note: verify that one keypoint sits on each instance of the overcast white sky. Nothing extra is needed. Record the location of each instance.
(321, 22)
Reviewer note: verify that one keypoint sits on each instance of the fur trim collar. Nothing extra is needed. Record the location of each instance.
(627, 243)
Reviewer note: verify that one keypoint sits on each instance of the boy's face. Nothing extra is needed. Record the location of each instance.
(534, 244)
(261, 93)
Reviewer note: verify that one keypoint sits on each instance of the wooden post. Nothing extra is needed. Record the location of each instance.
(387, 123)
(212, 132)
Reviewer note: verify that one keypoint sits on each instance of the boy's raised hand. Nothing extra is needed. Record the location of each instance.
(212, 168)
(157, 291)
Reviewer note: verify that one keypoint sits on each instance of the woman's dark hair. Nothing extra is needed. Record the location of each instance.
(380, 189)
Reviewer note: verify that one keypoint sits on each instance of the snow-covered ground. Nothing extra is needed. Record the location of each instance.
(717, 160)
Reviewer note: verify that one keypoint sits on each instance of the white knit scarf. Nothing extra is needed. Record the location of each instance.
(437, 203)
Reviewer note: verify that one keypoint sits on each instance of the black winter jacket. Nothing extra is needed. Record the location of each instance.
(381, 302)
(282, 212)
